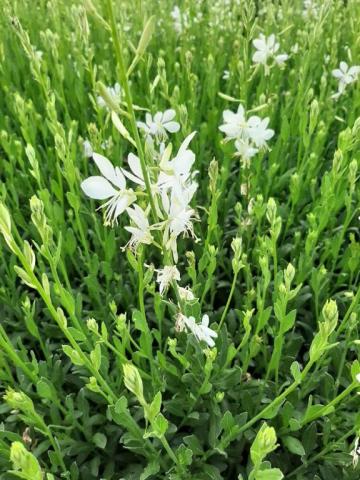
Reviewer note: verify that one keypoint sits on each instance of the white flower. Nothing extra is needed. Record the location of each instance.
(179, 218)
(345, 75)
(226, 75)
(166, 276)
(39, 54)
(235, 124)
(141, 231)
(186, 294)
(113, 92)
(177, 172)
(135, 166)
(258, 131)
(201, 331)
(266, 48)
(176, 16)
(245, 150)
(310, 9)
(295, 48)
(281, 59)
(158, 125)
(355, 453)
(88, 151)
(254, 130)
(111, 185)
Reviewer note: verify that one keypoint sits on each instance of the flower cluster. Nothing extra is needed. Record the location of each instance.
(250, 134)
(266, 51)
(345, 76)
(172, 186)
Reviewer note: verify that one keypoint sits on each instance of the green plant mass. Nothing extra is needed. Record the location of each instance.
(179, 239)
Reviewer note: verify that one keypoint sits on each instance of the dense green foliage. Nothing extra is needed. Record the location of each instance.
(99, 378)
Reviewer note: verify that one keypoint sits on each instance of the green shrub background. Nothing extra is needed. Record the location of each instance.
(128, 397)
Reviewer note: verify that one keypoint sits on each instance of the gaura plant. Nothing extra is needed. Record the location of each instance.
(179, 209)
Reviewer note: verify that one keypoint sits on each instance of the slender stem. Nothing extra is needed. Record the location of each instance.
(123, 77)
(125, 85)
(277, 400)
(9, 350)
(169, 450)
(342, 360)
(228, 301)
(333, 402)
(56, 449)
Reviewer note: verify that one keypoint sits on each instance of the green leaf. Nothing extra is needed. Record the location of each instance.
(293, 445)
(317, 411)
(95, 357)
(227, 422)
(154, 408)
(271, 474)
(272, 412)
(132, 260)
(139, 321)
(146, 35)
(295, 371)
(288, 321)
(193, 442)
(77, 334)
(159, 426)
(45, 389)
(73, 355)
(24, 276)
(151, 469)
(100, 440)
(184, 455)
(73, 200)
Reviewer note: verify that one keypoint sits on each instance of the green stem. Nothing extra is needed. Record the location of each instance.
(7, 347)
(169, 450)
(228, 300)
(278, 400)
(333, 402)
(56, 449)
(124, 82)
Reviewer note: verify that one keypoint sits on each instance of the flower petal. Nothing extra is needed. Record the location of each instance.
(107, 169)
(143, 126)
(148, 119)
(98, 188)
(205, 320)
(172, 127)
(259, 44)
(344, 67)
(337, 73)
(135, 167)
(259, 57)
(168, 115)
(185, 143)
